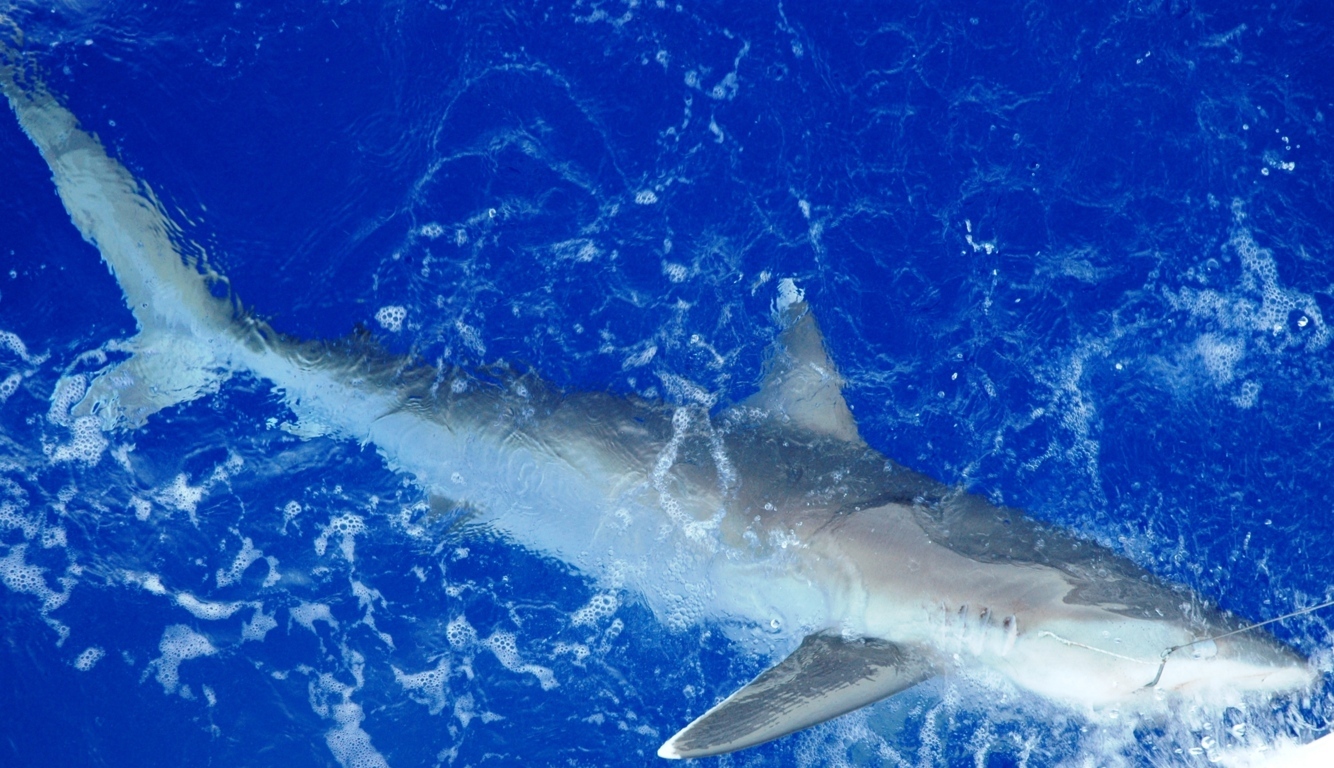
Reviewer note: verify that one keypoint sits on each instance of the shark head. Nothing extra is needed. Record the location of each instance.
(1151, 665)
(1251, 661)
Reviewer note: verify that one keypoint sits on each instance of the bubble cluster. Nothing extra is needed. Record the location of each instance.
(1256, 315)
(347, 527)
(460, 633)
(20, 576)
(599, 607)
(240, 563)
(349, 742)
(53, 536)
(9, 386)
(179, 643)
(86, 443)
(181, 496)
(290, 511)
(11, 342)
(506, 650)
(578, 650)
(1220, 355)
(12, 517)
(391, 318)
(306, 614)
(259, 625)
(428, 687)
(69, 391)
(675, 272)
(89, 658)
(208, 610)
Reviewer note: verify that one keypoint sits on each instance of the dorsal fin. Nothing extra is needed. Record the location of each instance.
(801, 385)
(826, 677)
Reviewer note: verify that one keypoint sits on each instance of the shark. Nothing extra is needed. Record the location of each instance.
(772, 512)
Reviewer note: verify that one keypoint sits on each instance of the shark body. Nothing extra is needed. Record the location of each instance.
(772, 513)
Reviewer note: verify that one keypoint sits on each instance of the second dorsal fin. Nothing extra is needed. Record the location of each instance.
(801, 384)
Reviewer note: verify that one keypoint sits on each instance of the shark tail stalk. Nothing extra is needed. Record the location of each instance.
(182, 307)
(883, 578)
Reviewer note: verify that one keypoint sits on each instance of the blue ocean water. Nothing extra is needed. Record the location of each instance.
(1075, 258)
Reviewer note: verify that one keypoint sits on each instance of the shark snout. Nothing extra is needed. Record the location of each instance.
(1252, 662)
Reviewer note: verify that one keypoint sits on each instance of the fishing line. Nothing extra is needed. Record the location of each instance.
(1162, 664)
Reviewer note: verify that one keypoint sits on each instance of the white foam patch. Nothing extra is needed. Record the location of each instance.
(179, 643)
(240, 563)
(391, 318)
(503, 646)
(465, 709)
(260, 624)
(24, 578)
(182, 496)
(675, 272)
(460, 633)
(9, 386)
(1255, 315)
(89, 658)
(646, 197)
(306, 614)
(86, 445)
(599, 607)
(69, 391)
(149, 582)
(367, 597)
(142, 508)
(428, 687)
(350, 744)
(208, 610)
(11, 342)
(290, 511)
(347, 527)
(273, 576)
(12, 517)
(348, 741)
(579, 250)
(1220, 355)
(578, 650)
(53, 536)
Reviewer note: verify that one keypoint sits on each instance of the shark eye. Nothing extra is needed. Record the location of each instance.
(1205, 649)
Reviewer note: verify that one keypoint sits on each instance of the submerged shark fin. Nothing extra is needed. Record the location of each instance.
(801, 385)
(164, 370)
(825, 677)
(182, 307)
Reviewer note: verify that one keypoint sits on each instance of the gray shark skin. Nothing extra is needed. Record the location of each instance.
(774, 512)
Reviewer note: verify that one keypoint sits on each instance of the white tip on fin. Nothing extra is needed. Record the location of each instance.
(801, 384)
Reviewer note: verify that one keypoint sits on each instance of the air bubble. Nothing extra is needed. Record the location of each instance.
(391, 318)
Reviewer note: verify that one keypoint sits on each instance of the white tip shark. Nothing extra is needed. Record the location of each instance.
(774, 512)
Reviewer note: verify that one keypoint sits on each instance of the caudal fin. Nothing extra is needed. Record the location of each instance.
(187, 320)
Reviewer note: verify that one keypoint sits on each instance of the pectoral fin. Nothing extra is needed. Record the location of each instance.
(826, 677)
